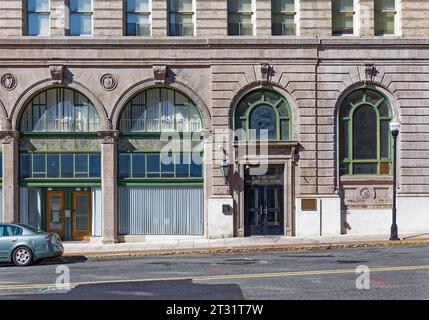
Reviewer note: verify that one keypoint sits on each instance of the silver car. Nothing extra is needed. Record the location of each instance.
(23, 245)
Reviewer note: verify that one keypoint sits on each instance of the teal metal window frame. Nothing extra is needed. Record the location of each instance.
(143, 96)
(348, 161)
(29, 111)
(251, 106)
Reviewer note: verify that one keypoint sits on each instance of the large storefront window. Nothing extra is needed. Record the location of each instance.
(160, 165)
(365, 142)
(263, 115)
(60, 164)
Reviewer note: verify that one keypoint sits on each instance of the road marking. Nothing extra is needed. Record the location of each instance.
(217, 277)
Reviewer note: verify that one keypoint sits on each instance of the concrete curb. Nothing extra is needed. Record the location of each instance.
(112, 255)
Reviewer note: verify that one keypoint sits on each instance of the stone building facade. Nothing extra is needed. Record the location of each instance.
(312, 186)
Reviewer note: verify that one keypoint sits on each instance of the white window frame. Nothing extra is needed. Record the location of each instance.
(149, 12)
(356, 17)
(37, 12)
(92, 20)
(253, 19)
(183, 12)
(397, 21)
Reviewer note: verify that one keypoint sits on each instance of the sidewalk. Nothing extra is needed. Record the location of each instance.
(206, 246)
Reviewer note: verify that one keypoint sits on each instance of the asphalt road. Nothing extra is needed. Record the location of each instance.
(395, 273)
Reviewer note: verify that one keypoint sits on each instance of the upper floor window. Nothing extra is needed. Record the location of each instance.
(384, 17)
(365, 140)
(240, 18)
(60, 110)
(180, 18)
(342, 17)
(137, 18)
(38, 17)
(80, 22)
(283, 17)
(263, 115)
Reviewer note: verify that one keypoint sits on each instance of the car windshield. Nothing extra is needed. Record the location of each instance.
(31, 228)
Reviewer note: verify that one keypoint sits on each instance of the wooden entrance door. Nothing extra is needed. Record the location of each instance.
(55, 212)
(81, 215)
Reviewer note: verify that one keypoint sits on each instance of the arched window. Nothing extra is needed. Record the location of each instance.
(160, 165)
(263, 115)
(365, 141)
(60, 110)
(160, 110)
(60, 164)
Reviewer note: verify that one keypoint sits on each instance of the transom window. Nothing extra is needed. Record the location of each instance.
(137, 17)
(240, 18)
(283, 17)
(60, 110)
(181, 18)
(263, 115)
(160, 110)
(60, 165)
(365, 140)
(160, 165)
(38, 12)
(384, 17)
(81, 12)
(342, 17)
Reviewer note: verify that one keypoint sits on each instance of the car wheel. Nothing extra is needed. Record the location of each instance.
(22, 256)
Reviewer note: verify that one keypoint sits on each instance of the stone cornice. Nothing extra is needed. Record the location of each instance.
(204, 43)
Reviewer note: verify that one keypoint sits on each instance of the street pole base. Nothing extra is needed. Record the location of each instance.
(394, 233)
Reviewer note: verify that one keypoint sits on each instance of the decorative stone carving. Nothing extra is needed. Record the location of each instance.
(57, 73)
(9, 137)
(370, 73)
(266, 72)
(108, 136)
(365, 193)
(160, 74)
(109, 82)
(8, 81)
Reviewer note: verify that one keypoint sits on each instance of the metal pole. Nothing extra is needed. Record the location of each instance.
(394, 227)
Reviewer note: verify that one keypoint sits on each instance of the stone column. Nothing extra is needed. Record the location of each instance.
(109, 186)
(10, 176)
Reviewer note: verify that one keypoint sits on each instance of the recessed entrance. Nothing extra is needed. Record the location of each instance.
(57, 213)
(264, 214)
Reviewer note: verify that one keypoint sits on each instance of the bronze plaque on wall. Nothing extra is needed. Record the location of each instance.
(308, 205)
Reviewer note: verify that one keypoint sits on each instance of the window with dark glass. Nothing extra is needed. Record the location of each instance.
(180, 18)
(365, 141)
(38, 12)
(51, 165)
(384, 17)
(343, 13)
(240, 18)
(137, 17)
(80, 19)
(283, 17)
(263, 115)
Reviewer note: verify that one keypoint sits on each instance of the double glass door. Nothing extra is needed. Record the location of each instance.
(77, 215)
(264, 210)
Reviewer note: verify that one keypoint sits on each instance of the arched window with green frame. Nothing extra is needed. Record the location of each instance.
(365, 143)
(263, 114)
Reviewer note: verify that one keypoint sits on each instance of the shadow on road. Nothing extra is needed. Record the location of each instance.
(51, 261)
(151, 290)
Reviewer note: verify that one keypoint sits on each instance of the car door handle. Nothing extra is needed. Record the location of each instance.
(14, 240)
